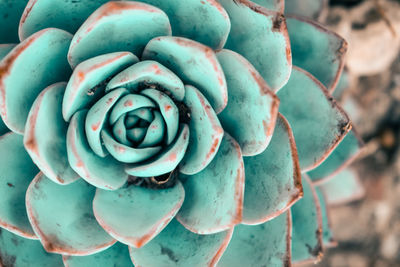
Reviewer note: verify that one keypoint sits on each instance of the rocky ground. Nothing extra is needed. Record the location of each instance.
(368, 230)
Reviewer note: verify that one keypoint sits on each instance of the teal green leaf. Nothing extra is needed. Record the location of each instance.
(275, 5)
(343, 187)
(166, 161)
(176, 246)
(128, 25)
(62, 217)
(341, 157)
(251, 103)
(203, 21)
(45, 53)
(84, 86)
(318, 122)
(266, 244)
(273, 179)
(115, 256)
(266, 45)
(307, 226)
(149, 73)
(134, 215)
(17, 251)
(16, 172)
(327, 235)
(312, 9)
(205, 133)
(46, 133)
(195, 63)
(105, 173)
(60, 14)
(214, 196)
(317, 50)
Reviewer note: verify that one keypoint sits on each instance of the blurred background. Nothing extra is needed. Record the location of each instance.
(368, 230)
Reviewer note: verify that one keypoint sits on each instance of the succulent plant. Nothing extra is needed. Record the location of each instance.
(168, 133)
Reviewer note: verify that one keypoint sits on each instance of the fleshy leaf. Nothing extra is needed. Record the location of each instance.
(149, 73)
(275, 5)
(266, 244)
(97, 117)
(166, 161)
(10, 13)
(273, 179)
(17, 171)
(343, 187)
(318, 123)
(327, 235)
(135, 215)
(317, 50)
(203, 21)
(312, 9)
(115, 256)
(60, 14)
(45, 53)
(5, 49)
(17, 251)
(105, 173)
(205, 133)
(195, 63)
(251, 104)
(168, 110)
(266, 45)
(129, 26)
(307, 226)
(341, 157)
(214, 196)
(45, 135)
(176, 246)
(84, 87)
(62, 217)
(125, 153)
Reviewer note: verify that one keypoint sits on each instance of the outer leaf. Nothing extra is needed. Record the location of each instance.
(45, 135)
(317, 50)
(251, 104)
(45, 53)
(307, 226)
(128, 25)
(214, 196)
(318, 123)
(16, 172)
(115, 256)
(266, 244)
(273, 179)
(177, 247)
(21, 252)
(60, 14)
(343, 187)
(203, 21)
(341, 157)
(62, 217)
(327, 235)
(266, 46)
(135, 215)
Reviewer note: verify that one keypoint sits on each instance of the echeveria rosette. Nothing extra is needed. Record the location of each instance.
(148, 132)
